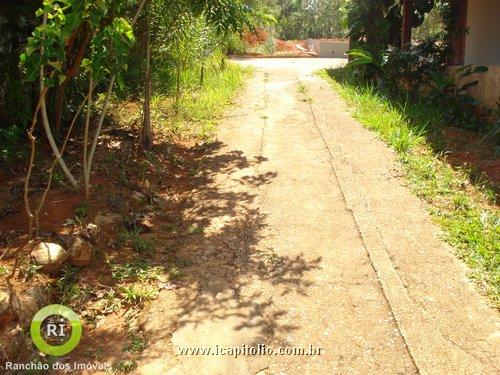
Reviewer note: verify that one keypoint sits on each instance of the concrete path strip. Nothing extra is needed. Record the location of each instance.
(313, 239)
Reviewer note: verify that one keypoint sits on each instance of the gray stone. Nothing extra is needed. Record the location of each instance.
(49, 256)
(28, 302)
(80, 254)
(106, 220)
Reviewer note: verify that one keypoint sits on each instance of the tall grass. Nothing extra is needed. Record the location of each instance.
(199, 108)
(466, 211)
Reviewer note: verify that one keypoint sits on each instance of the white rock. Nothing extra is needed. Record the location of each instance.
(50, 256)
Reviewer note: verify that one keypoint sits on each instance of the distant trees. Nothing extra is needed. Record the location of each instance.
(302, 19)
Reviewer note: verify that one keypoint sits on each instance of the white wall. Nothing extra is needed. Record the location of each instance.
(483, 40)
(333, 49)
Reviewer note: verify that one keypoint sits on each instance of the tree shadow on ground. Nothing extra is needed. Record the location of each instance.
(220, 232)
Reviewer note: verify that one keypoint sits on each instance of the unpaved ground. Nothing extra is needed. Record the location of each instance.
(309, 236)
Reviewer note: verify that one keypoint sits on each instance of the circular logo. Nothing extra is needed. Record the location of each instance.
(53, 330)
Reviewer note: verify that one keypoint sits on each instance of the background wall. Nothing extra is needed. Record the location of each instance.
(333, 49)
(483, 41)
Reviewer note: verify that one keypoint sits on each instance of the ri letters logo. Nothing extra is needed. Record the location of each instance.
(56, 330)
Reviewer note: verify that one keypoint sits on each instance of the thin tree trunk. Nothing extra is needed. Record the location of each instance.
(46, 124)
(88, 161)
(31, 162)
(202, 74)
(178, 90)
(86, 176)
(59, 106)
(54, 163)
(97, 133)
(147, 132)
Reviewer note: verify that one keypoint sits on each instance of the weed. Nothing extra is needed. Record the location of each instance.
(126, 366)
(82, 211)
(3, 271)
(171, 228)
(305, 91)
(183, 262)
(67, 287)
(137, 345)
(175, 273)
(138, 294)
(29, 269)
(199, 108)
(137, 270)
(58, 178)
(133, 239)
(269, 258)
(195, 229)
(110, 302)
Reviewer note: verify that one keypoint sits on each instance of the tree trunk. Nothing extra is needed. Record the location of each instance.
(147, 132)
(202, 74)
(59, 106)
(178, 91)
(406, 29)
(75, 52)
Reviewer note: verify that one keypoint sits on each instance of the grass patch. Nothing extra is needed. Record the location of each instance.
(138, 243)
(68, 289)
(466, 211)
(136, 345)
(138, 294)
(126, 366)
(198, 110)
(137, 270)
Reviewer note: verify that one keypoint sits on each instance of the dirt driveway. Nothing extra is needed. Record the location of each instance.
(310, 239)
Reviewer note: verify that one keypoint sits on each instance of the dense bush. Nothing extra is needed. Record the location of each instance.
(412, 69)
(419, 69)
(17, 20)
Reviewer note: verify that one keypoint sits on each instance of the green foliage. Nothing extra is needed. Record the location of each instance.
(82, 211)
(137, 345)
(138, 243)
(364, 63)
(137, 270)
(109, 46)
(420, 71)
(10, 138)
(138, 294)
(126, 366)
(68, 288)
(451, 90)
(17, 20)
(3, 271)
(376, 25)
(310, 19)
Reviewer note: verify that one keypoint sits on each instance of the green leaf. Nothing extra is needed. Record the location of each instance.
(468, 85)
(480, 69)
